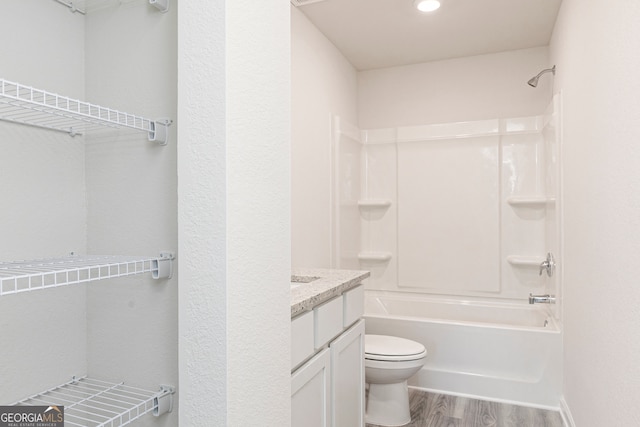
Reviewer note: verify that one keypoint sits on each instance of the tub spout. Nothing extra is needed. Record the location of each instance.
(542, 299)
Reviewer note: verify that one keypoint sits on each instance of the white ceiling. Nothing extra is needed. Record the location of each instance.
(386, 33)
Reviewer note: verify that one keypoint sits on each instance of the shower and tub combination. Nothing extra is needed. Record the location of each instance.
(459, 225)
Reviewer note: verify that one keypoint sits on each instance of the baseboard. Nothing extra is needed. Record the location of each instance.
(565, 412)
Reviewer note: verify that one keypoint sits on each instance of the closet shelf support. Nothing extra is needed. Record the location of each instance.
(162, 267)
(161, 5)
(159, 131)
(163, 400)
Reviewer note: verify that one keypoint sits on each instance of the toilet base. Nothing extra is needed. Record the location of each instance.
(388, 404)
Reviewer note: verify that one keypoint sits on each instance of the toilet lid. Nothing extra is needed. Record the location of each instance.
(385, 347)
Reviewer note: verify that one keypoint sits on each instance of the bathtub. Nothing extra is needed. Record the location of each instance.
(508, 352)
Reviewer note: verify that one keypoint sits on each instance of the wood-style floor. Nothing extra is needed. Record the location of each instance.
(439, 410)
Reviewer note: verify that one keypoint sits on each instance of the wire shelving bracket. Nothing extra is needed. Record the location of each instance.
(32, 275)
(161, 5)
(35, 107)
(89, 402)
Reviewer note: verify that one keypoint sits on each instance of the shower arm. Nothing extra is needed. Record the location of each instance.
(552, 70)
(533, 82)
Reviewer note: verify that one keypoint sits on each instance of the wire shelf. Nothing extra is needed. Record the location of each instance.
(34, 107)
(94, 403)
(86, 6)
(24, 276)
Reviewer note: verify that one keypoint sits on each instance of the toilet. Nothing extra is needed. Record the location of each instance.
(389, 362)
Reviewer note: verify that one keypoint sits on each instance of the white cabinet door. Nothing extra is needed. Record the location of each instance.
(347, 377)
(311, 392)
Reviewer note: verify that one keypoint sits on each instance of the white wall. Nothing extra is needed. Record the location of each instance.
(463, 89)
(234, 212)
(323, 84)
(43, 334)
(595, 46)
(132, 323)
(202, 222)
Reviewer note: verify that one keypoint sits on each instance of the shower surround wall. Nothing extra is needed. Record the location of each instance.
(461, 98)
(112, 194)
(453, 209)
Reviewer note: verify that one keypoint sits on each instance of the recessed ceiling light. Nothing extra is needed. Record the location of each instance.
(426, 5)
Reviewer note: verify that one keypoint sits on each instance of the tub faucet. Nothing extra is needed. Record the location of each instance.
(542, 299)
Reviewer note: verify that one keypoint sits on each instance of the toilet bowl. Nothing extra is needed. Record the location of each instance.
(389, 362)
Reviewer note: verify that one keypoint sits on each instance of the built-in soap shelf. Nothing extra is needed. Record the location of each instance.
(525, 261)
(35, 107)
(89, 402)
(531, 201)
(374, 256)
(374, 203)
(32, 275)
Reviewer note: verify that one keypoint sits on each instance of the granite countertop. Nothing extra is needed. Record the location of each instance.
(312, 286)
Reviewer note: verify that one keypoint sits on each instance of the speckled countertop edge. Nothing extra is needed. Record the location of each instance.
(330, 283)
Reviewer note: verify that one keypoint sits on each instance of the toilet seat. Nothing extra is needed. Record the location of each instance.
(392, 349)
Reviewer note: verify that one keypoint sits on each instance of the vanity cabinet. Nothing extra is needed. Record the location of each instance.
(347, 377)
(311, 392)
(327, 382)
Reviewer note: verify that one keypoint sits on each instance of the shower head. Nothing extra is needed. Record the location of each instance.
(533, 82)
